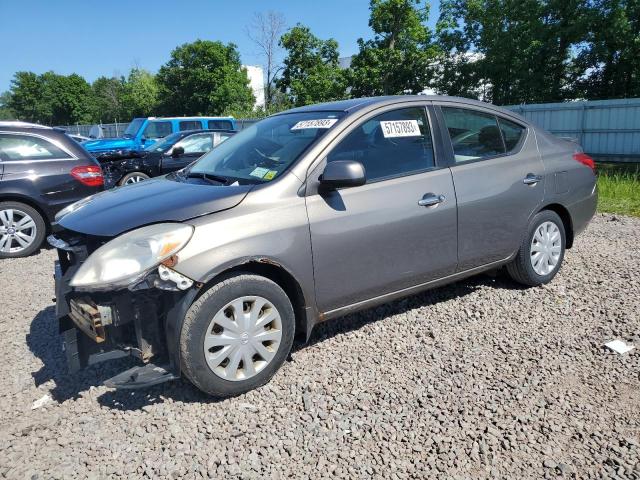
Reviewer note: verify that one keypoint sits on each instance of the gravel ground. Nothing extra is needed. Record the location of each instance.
(480, 379)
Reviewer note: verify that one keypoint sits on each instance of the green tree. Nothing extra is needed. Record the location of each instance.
(609, 65)
(399, 59)
(26, 97)
(107, 99)
(311, 71)
(520, 50)
(5, 112)
(140, 94)
(67, 99)
(204, 77)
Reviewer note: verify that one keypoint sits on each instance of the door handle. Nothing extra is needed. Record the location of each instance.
(431, 199)
(531, 179)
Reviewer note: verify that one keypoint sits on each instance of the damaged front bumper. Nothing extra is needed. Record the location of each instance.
(142, 321)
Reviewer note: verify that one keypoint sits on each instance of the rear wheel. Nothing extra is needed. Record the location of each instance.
(541, 252)
(22, 230)
(237, 335)
(133, 177)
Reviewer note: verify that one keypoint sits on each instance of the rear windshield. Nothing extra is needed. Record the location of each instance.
(266, 149)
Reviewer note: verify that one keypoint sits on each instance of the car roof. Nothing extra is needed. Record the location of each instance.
(19, 124)
(189, 118)
(355, 104)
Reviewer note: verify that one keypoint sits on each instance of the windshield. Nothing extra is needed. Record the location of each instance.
(165, 144)
(266, 149)
(133, 128)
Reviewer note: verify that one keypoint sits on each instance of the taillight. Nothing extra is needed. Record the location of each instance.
(89, 175)
(585, 159)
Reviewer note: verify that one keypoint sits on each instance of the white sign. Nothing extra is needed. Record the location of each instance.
(318, 123)
(400, 128)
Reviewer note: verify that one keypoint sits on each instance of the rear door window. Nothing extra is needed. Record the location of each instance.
(220, 125)
(27, 147)
(474, 135)
(157, 129)
(511, 132)
(190, 125)
(392, 144)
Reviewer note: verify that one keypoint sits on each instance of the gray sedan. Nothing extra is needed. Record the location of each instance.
(312, 213)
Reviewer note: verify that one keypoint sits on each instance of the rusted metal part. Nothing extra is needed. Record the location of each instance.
(268, 261)
(87, 317)
(171, 261)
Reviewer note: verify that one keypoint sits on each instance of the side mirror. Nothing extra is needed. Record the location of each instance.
(343, 173)
(177, 151)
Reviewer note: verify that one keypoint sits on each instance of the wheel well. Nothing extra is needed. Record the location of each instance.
(565, 216)
(279, 275)
(31, 203)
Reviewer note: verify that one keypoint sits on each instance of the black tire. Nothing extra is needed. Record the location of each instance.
(520, 269)
(40, 226)
(200, 314)
(128, 176)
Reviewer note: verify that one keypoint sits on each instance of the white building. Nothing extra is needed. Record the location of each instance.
(256, 82)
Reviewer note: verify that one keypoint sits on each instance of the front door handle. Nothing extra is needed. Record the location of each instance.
(431, 199)
(531, 179)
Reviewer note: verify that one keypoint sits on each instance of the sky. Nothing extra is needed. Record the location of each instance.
(94, 38)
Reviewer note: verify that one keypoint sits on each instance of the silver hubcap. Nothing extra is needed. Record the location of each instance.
(134, 179)
(17, 231)
(546, 246)
(242, 338)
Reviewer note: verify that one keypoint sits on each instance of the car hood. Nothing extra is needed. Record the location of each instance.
(161, 199)
(108, 144)
(116, 155)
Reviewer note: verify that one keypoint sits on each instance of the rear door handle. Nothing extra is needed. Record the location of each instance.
(531, 179)
(430, 199)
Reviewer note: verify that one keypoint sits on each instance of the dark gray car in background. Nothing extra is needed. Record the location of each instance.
(305, 216)
(42, 170)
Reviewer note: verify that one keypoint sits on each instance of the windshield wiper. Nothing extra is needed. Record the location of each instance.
(208, 176)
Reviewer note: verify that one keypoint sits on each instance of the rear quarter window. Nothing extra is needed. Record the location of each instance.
(190, 125)
(220, 124)
(26, 147)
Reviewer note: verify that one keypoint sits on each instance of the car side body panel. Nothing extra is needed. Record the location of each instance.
(271, 227)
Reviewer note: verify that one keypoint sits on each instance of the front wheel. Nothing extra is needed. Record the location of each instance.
(236, 335)
(133, 177)
(541, 252)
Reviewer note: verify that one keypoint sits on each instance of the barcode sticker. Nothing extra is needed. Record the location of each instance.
(400, 128)
(318, 123)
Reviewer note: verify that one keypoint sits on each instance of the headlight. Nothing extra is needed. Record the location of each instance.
(128, 258)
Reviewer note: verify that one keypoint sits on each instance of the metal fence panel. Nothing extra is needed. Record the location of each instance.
(604, 128)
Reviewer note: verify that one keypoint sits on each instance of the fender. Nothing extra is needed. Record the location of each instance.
(175, 317)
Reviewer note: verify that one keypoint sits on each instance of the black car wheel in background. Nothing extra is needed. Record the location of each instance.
(42, 171)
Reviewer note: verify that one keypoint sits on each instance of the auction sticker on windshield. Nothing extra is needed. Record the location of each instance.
(259, 172)
(400, 128)
(318, 123)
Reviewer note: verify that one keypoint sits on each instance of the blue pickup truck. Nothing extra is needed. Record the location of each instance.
(143, 132)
